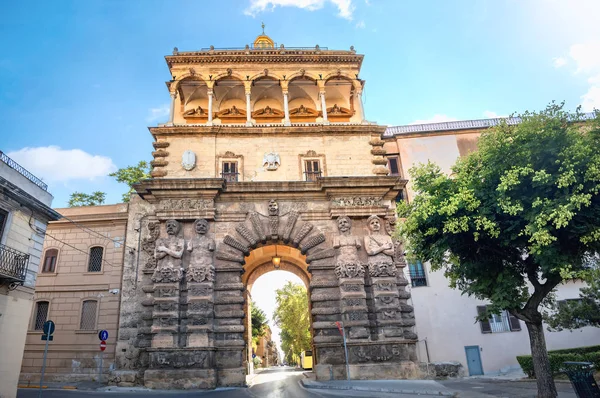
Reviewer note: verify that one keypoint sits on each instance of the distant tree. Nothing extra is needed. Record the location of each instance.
(83, 199)
(575, 314)
(514, 219)
(259, 321)
(131, 175)
(291, 315)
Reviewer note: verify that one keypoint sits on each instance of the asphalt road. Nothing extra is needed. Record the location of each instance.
(271, 383)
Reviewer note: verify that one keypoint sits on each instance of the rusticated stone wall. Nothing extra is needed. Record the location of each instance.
(182, 313)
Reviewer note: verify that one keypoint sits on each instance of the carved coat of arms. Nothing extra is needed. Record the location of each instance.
(271, 161)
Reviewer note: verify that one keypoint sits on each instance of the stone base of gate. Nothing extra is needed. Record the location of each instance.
(235, 377)
(369, 371)
(181, 379)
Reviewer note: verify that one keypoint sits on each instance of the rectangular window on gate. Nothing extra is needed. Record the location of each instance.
(41, 314)
(89, 309)
(393, 166)
(95, 260)
(417, 274)
(312, 170)
(229, 171)
(498, 323)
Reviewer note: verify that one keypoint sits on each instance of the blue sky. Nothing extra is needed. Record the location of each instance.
(80, 81)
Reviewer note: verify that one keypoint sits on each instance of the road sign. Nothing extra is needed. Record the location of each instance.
(45, 337)
(102, 345)
(49, 327)
(103, 335)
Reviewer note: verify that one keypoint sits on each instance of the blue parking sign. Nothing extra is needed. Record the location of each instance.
(103, 335)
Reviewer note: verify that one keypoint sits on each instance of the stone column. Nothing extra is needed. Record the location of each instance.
(359, 105)
(172, 109)
(248, 110)
(210, 107)
(323, 106)
(286, 109)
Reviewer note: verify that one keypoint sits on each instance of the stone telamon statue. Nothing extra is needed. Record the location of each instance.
(168, 253)
(201, 247)
(347, 263)
(380, 248)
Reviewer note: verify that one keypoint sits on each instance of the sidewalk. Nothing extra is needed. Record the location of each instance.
(414, 387)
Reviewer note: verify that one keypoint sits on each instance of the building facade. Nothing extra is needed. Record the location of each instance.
(24, 213)
(78, 287)
(446, 319)
(267, 152)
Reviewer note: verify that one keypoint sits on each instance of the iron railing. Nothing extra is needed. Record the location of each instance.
(417, 277)
(24, 172)
(230, 177)
(312, 175)
(13, 265)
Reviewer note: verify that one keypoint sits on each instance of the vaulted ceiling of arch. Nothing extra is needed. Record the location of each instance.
(266, 89)
(226, 89)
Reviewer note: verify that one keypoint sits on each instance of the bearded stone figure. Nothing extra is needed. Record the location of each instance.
(380, 248)
(201, 248)
(168, 253)
(347, 263)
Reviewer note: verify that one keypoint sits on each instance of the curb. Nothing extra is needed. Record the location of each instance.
(374, 389)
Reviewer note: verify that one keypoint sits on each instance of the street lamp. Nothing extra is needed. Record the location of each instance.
(276, 260)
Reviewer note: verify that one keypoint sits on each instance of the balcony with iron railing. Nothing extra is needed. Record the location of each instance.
(13, 266)
(22, 170)
(312, 175)
(417, 277)
(230, 177)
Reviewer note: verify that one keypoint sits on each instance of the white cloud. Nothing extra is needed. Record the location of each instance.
(361, 25)
(437, 118)
(345, 7)
(492, 115)
(53, 163)
(559, 61)
(586, 57)
(160, 113)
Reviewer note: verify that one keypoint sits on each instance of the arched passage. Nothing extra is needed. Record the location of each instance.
(258, 263)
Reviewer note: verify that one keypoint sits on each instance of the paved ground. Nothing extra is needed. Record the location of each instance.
(489, 388)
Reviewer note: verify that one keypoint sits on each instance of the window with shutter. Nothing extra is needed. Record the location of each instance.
(41, 314)
(95, 260)
(88, 315)
(312, 169)
(230, 171)
(49, 264)
(515, 325)
(417, 274)
(393, 166)
(484, 324)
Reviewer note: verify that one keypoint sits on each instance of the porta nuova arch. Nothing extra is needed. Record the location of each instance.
(190, 332)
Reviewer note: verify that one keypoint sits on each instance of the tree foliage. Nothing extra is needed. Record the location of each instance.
(259, 321)
(291, 315)
(131, 175)
(83, 199)
(575, 314)
(523, 210)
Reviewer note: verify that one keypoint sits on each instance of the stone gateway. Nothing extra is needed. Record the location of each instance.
(321, 200)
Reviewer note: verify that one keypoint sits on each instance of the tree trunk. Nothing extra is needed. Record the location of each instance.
(541, 363)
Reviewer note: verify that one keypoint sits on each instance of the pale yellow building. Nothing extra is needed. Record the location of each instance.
(78, 287)
(24, 213)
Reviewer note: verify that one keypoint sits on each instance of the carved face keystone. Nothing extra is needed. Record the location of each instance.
(273, 207)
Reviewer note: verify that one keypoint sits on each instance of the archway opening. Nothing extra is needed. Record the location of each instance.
(277, 293)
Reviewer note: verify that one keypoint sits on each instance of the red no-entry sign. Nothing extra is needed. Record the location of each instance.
(102, 345)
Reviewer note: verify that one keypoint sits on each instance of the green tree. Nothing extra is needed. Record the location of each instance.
(523, 210)
(83, 199)
(259, 321)
(131, 175)
(291, 315)
(575, 314)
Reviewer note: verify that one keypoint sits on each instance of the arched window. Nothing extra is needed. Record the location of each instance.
(50, 257)
(89, 309)
(95, 260)
(41, 314)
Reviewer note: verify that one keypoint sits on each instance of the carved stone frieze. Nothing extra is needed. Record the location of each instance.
(377, 353)
(167, 274)
(149, 244)
(187, 204)
(350, 270)
(356, 202)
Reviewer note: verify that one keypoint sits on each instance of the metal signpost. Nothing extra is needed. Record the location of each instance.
(48, 329)
(103, 336)
(340, 327)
